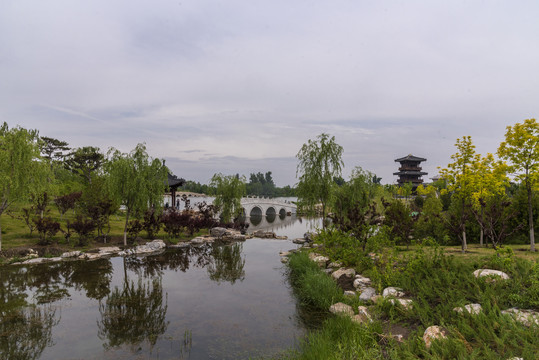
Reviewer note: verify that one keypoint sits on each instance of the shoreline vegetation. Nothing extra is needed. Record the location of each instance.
(437, 281)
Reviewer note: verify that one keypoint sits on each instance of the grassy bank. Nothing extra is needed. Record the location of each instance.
(16, 235)
(437, 283)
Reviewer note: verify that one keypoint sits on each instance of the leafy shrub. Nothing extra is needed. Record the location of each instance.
(134, 227)
(67, 202)
(47, 228)
(175, 221)
(151, 223)
(83, 227)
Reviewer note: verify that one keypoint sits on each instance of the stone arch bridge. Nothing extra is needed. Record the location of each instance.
(260, 206)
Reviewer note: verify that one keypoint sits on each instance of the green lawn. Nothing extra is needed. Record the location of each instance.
(16, 234)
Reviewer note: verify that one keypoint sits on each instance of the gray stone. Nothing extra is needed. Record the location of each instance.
(336, 275)
(308, 236)
(71, 254)
(362, 282)
(525, 317)
(285, 253)
(180, 245)
(367, 294)
(335, 265)
(199, 240)
(350, 293)
(364, 313)
(299, 241)
(433, 333)
(219, 232)
(491, 273)
(405, 303)
(393, 291)
(341, 309)
(319, 259)
(284, 260)
(473, 309)
(264, 234)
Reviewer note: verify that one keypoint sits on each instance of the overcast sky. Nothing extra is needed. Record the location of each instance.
(238, 86)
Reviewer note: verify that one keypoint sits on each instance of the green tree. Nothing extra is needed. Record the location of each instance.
(320, 161)
(458, 176)
(229, 191)
(489, 180)
(85, 162)
(521, 149)
(21, 174)
(53, 149)
(136, 181)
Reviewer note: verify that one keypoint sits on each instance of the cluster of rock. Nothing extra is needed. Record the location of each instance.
(361, 317)
(268, 235)
(396, 296)
(525, 317)
(152, 247)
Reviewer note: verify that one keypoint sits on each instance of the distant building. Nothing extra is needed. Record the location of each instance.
(410, 171)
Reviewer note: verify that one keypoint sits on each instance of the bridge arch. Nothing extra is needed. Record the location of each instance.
(282, 213)
(256, 211)
(271, 211)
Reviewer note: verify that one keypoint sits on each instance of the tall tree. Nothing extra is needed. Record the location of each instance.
(229, 191)
(458, 176)
(53, 149)
(521, 149)
(489, 180)
(320, 161)
(85, 162)
(136, 181)
(20, 171)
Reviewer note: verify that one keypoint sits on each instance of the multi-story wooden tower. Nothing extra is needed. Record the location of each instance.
(410, 171)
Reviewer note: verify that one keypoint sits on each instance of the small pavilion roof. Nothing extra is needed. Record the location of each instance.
(410, 157)
(174, 182)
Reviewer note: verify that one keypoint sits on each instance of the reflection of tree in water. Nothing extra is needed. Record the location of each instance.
(93, 277)
(227, 264)
(133, 314)
(177, 259)
(25, 332)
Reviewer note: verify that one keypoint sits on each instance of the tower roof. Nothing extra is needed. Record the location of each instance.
(410, 157)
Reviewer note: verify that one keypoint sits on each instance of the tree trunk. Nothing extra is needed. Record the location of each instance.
(0, 236)
(530, 218)
(125, 228)
(464, 245)
(481, 234)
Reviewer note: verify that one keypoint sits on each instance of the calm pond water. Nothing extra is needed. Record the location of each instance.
(210, 302)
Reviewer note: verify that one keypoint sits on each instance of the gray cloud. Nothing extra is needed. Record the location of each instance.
(230, 86)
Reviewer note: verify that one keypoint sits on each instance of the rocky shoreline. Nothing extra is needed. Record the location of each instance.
(217, 235)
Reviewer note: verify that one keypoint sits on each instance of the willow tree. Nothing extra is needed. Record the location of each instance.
(135, 181)
(21, 172)
(229, 189)
(458, 176)
(521, 149)
(320, 161)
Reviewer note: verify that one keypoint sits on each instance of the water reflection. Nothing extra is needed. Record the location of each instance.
(119, 307)
(228, 264)
(133, 314)
(26, 332)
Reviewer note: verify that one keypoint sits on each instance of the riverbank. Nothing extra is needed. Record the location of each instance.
(433, 288)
